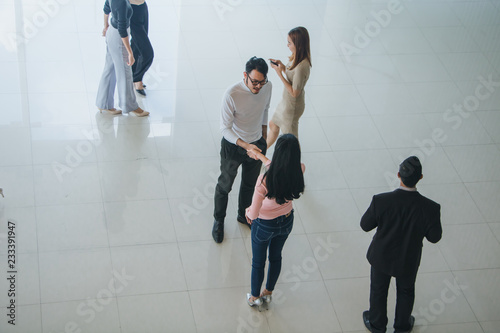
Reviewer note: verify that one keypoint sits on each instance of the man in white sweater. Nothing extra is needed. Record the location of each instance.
(243, 125)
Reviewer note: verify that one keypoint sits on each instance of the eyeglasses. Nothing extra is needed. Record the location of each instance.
(255, 83)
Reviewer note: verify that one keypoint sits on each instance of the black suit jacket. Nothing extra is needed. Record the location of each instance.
(402, 219)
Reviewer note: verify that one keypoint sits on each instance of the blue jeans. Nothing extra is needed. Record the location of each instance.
(270, 234)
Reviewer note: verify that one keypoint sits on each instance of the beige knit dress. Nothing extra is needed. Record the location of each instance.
(290, 108)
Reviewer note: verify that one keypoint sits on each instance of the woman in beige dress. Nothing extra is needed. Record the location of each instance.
(296, 73)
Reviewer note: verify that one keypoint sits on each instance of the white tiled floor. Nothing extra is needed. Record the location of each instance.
(113, 214)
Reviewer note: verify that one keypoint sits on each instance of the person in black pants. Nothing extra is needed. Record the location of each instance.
(243, 125)
(403, 218)
(141, 45)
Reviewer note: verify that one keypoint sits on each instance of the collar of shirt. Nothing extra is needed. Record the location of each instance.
(408, 189)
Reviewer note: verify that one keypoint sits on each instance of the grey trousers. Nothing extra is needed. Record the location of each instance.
(116, 73)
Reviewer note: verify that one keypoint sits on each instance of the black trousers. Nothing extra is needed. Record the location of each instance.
(140, 44)
(405, 297)
(231, 157)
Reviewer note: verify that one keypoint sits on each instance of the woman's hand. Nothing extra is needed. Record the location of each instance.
(105, 30)
(131, 59)
(279, 67)
(249, 221)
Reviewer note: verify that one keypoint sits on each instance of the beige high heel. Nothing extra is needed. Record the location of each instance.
(140, 113)
(112, 111)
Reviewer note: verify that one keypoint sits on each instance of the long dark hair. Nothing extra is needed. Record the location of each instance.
(300, 38)
(284, 179)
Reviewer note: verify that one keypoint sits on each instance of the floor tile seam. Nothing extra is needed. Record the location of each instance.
(454, 9)
(94, 249)
(115, 296)
(372, 118)
(332, 303)
(464, 183)
(25, 104)
(325, 28)
(85, 79)
(492, 231)
(455, 278)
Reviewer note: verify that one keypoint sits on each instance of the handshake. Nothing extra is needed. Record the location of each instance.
(254, 153)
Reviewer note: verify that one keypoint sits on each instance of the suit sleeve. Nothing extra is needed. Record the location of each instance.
(369, 219)
(435, 230)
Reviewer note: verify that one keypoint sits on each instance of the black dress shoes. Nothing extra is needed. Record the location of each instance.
(366, 320)
(412, 323)
(243, 220)
(141, 92)
(218, 231)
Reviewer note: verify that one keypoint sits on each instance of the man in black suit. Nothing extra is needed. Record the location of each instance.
(402, 218)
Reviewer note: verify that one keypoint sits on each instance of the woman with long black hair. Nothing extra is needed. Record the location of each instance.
(271, 213)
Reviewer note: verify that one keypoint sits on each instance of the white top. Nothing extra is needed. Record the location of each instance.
(243, 113)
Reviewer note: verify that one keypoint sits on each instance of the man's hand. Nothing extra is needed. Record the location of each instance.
(105, 30)
(250, 146)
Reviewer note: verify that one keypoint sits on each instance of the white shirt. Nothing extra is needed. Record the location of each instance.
(244, 113)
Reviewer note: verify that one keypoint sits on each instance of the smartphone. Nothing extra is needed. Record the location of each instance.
(274, 63)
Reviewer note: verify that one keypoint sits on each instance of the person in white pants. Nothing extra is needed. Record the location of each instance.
(119, 59)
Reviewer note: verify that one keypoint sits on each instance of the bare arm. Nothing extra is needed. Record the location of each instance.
(247, 146)
(131, 59)
(106, 24)
(257, 155)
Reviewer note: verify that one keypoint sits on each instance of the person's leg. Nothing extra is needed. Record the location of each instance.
(137, 54)
(272, 134)
(295, 122)
(133, 43)
(142, 44)
(126, 93)
(275, 249)
(405, 297)
(229, 163)
(250, 171)
(106, 90)
(295, 128)
(260, 242)
(379, 287)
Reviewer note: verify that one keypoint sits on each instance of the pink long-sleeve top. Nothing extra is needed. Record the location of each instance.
(263, 207)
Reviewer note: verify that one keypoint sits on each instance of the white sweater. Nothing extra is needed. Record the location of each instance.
(243, 113)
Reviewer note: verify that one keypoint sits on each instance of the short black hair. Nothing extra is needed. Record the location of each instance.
(410, 171)
(258, 64)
